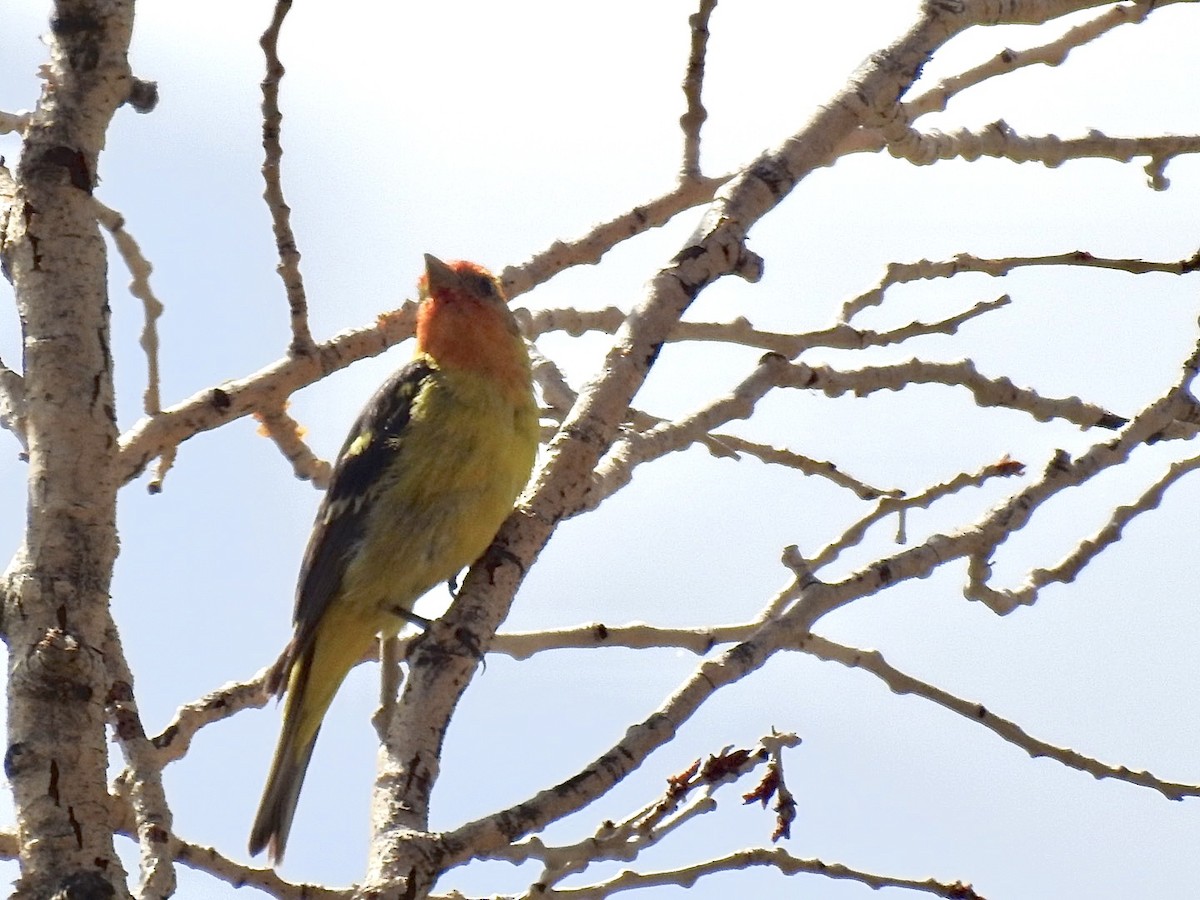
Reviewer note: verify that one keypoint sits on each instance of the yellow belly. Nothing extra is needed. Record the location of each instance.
(465, 455)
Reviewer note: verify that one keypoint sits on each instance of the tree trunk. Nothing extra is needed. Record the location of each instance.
(56, 590)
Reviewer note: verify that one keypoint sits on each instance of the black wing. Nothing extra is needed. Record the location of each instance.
(369, 449)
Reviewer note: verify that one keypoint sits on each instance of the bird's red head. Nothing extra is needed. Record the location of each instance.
(464, 321)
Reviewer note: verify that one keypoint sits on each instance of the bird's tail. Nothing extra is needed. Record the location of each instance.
(313, 671)
(296, 742)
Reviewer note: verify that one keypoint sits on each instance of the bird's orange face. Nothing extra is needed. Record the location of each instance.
(464, 321)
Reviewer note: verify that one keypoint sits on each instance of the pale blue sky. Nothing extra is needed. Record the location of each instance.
(489, 130)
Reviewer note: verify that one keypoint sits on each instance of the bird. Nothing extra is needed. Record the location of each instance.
(430, 469)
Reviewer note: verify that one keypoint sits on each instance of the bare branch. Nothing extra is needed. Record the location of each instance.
(1053, 53)
(210, 861)
(979, 542)
(901, 683)
(1177, 405)
(806, 465)
(777, 858)
(288, 435)
(628, 451)
(740, 331)
(141, 781)
(140, 269)
(1021, 12)
(688, 795)
(773, 371)
(1069, 569)
(887, 506)
(987, 391)
(266, 389)
(1092, 463)
(173, 742)
(641, 636)
(1001, 141)
(589, 249)
(281, 214)
(843, 337)
(693, 119)
(904, 273)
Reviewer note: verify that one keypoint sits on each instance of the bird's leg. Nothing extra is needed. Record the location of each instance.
(411, 617)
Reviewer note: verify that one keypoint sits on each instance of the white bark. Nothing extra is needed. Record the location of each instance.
(56, 590)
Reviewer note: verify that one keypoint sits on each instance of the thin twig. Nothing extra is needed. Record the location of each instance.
(901, 683)
(288, 435)
(1176, 405)
(1052, 53)
(1068, 570)
(174, 741)
(775, 857)
(742, 332)
(212, 862)
(139, 270)
(589, 249)
(281, 214)
(166, 460)
(735, 446)
(888, 506)
(638, 636)
(904, 273)
(688, 795)
(999, 392)
(693, 118)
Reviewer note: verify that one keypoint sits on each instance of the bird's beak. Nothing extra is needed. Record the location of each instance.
(441, 277)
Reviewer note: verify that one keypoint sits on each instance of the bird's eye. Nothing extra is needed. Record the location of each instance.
(485, 285)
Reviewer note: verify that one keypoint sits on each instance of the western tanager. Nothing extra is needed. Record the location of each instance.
(427, 474)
